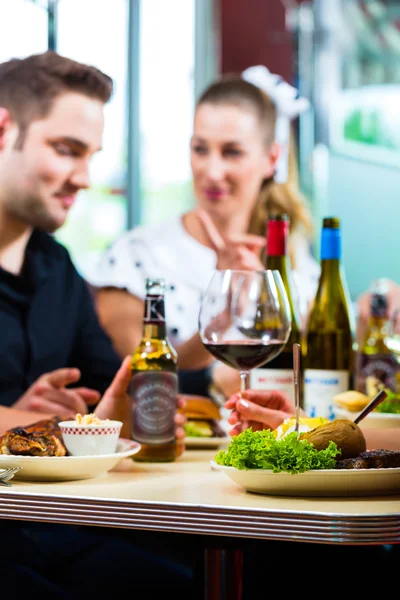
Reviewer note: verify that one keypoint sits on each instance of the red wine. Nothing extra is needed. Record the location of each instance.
(246, 354)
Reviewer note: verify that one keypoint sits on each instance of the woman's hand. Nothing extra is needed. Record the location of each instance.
(259, 409)
(240, 252)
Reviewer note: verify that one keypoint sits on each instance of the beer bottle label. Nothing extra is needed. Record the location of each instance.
(154, 309)
(154, 401)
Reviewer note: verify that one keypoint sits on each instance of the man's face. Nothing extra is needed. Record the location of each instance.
(39, 182)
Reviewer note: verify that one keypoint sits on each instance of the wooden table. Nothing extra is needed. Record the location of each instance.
(189, 497)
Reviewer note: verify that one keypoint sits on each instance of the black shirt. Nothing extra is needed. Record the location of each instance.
(48, 321)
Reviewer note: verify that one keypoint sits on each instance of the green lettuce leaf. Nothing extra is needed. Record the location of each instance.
(192, 429)
(391, 404)
(260, 450)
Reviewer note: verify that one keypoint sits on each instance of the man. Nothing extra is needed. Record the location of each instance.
(51, 124)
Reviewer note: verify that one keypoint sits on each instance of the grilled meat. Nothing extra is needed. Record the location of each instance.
(31, 444)
(373, 459)
(42, 438)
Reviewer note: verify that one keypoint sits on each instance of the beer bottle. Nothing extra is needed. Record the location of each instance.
(376, 366)
(154, 384)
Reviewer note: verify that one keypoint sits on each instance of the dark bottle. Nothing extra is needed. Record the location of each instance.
(376, 366)
(329, 338)
(278, 373)
(154, 384)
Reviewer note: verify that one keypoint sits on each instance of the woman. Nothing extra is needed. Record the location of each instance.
(234, 157)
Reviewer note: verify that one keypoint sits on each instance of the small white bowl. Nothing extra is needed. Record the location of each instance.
(90, 440)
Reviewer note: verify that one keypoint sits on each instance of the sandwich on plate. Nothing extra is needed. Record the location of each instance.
(203, 417)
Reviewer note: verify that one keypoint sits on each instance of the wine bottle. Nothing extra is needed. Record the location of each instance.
(328, 344)
(278, 374)
(376, 366)
(154, 384)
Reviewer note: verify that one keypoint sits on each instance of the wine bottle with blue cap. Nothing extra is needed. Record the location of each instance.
(328, 343)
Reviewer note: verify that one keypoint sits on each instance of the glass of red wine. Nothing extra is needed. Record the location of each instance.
(245, 318)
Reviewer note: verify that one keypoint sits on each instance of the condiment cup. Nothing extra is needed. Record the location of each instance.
(89, 440)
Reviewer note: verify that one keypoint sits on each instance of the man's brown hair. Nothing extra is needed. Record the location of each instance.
(29, 86)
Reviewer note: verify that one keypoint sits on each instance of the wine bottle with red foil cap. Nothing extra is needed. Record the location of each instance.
(278, 374)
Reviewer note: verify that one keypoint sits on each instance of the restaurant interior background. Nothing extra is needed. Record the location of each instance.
(344, 55)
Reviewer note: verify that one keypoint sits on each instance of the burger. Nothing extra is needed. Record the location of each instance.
(203, 417)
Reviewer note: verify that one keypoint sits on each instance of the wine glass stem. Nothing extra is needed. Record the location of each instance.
(243, 382)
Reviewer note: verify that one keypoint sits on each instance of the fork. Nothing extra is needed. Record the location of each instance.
(296, 371)
(6, 474)
(4, 482)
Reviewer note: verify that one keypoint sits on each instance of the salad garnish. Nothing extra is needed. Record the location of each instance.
(260, 450)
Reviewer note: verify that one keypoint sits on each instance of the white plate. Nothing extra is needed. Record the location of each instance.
(374, 419)
(207, 442)
(67, 468)
(329, 482)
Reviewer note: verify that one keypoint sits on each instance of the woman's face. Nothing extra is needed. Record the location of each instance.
(229, 159)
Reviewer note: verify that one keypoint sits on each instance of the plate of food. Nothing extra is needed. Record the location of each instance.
(348, 405)
(204, 424)
(41, 454)
(330, 459)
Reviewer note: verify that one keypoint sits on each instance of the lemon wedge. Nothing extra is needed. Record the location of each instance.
(305, 424)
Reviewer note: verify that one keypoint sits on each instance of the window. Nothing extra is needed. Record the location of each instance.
(23, 28)
(99, 37)
(166, 75)
(159, 81)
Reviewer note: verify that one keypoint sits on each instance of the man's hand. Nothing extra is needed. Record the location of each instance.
(259, 409)
(116, 403)
(239, 252)
(49, 395)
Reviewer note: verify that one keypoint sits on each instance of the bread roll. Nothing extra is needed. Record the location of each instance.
(352, 400)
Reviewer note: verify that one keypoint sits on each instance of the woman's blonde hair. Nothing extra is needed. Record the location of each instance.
(274, 198)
